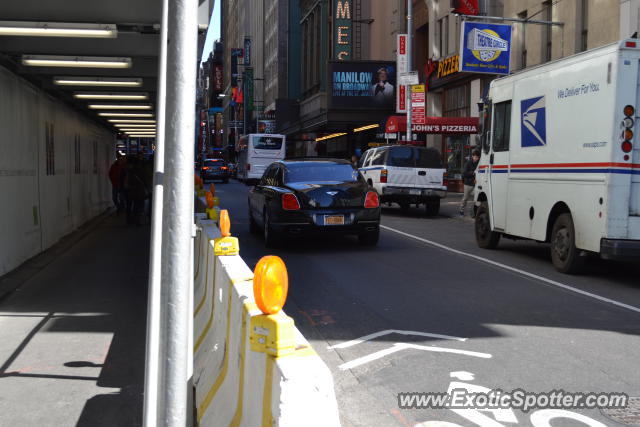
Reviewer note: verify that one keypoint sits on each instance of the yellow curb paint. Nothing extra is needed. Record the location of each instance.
(206, 288)
(248, 306)
(197, 257)
(267, 415)
(236, 281)
(303, 352)
(225, 363)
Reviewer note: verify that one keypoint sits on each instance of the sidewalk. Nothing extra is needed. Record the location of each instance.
(72, 335)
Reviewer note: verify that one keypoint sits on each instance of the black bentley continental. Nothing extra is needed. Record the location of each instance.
(300, 197)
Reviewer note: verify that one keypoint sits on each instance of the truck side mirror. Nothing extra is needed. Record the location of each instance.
(486, 137)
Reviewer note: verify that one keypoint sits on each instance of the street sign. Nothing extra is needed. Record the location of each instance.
(410, 78)
(402, 67)
(418, 105)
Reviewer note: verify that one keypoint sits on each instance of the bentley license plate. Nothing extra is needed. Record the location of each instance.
(334, 220)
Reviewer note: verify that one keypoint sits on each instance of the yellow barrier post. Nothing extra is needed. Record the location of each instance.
(198, 183)
(212, 211)
(225, 245)
(272, 332)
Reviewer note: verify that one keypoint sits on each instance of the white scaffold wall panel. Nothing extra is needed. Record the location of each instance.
(234, 385)
(54, 167)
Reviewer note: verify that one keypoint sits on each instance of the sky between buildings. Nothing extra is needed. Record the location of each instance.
(213, 33)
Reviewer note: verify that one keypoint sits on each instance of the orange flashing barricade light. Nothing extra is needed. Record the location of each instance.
(225, 245)
(212, 188)
(225, 223)
(273, 331)
(209, 197)
(270, 284)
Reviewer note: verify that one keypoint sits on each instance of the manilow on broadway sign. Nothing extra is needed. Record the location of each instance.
(486, 48)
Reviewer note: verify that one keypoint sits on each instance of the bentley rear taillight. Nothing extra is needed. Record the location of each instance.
(290, 202)
(372, 200)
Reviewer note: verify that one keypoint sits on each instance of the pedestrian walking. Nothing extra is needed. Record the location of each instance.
(115, 172)
(136, 190)
(469, 178)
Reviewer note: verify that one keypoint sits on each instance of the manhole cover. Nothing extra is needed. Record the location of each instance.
(629, 416)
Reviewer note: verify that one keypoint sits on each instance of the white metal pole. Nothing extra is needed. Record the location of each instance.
(153, 305)
(409, 64)
(177, 218)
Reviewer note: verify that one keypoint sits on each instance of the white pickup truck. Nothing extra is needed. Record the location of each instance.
(406, 175)
(561, 157)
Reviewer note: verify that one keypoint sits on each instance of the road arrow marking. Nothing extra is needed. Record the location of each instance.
(370, 337)
(462, 375)
(404, 346)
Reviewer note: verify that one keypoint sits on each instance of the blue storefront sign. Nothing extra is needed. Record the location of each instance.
(486, 48)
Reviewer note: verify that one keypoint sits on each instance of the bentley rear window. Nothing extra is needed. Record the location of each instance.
(320, 172)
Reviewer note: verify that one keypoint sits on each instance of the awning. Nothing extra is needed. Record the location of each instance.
(437, 125)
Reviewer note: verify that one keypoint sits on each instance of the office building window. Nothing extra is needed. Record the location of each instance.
(311, 51)
(523, 55)
(546, 39)
(584, 24)
(443, 28)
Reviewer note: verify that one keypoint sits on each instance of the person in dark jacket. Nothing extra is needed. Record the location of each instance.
(115, 173)
(137, 191)
(469, 178)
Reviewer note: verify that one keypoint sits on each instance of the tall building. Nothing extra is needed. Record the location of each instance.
(348, 76)
(541, 31)
(261, 55)
(579, 25)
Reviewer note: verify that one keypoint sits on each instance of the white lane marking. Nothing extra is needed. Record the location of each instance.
(516, 270)
(369, 337)
(462, 375)
(404, 346)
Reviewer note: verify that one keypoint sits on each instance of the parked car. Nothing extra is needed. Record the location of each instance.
(406, 175)
(212, 169)
(233, 170)
(306, 196)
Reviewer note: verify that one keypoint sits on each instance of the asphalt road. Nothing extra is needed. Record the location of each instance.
(476, 319)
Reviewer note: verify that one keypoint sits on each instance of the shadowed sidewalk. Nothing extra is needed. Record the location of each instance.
(72, 335)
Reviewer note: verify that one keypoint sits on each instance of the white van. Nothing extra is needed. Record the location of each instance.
(561, 159)
(406, 175)
(256, 152)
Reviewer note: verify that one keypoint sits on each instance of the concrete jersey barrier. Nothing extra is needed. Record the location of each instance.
(235, 385)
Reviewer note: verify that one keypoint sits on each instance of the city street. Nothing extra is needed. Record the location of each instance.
(433, 312)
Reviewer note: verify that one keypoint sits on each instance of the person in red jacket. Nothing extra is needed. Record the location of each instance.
(115, 173)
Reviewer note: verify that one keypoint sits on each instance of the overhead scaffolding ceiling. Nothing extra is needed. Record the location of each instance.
(138, 38)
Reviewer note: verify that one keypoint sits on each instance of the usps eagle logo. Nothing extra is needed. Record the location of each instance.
(534, 122)
(486, 45)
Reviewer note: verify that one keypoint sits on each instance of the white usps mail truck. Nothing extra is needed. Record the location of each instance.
(561, 157)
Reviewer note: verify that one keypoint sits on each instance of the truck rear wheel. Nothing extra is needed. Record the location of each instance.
(485, 237)
(564, 254)
(432, 207)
